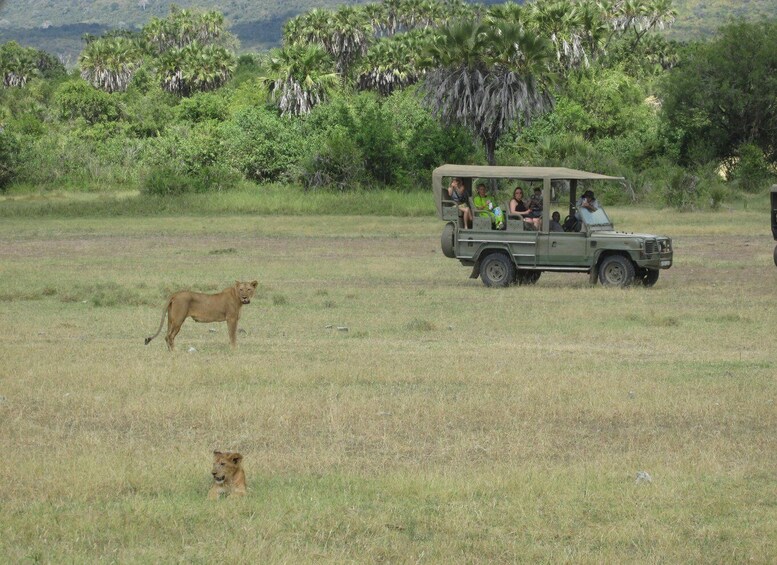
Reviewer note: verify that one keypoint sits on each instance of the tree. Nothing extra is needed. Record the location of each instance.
(110, 63)
(299, 78)
(195, 68)
(393, 63)
(488, 76)
(721, 94)
(345, 34)
(183, 27)
(17, 64)
(638, 16)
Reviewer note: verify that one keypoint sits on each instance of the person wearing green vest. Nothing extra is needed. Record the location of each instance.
(485, 207)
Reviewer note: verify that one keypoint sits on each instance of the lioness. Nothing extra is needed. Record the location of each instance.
(224, 306)
(228, 475)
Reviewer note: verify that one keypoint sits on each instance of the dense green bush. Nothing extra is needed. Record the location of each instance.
(148, 113)
(423, 142)
(376, 138)
(203, 106)
(366, 140)
(751, 171)
(721, 94)
(262, 145)
(9, 157)
(77, 99)
(338, 162)
(188, 159)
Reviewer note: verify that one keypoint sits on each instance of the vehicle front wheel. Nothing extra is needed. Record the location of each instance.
(497, 270)
(616, 270)
(648, 277)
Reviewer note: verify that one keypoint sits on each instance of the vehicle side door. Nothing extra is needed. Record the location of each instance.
(563, 249)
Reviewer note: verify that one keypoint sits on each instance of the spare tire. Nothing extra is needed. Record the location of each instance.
(447, 240)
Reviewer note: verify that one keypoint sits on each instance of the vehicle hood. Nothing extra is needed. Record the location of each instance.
(623, 235)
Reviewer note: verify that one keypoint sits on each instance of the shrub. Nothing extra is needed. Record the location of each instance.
(751, 171)
(337, 163)
(262, 145)
(9, 157)
(188, 159)
(77, 99)
(682, 190)
(375, 137)
(203, 106)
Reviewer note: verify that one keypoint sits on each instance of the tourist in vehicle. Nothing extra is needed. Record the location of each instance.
(555, 221)
(458, 193)
(588, 201)
(519, 208)
(535, 206)
(485, 207)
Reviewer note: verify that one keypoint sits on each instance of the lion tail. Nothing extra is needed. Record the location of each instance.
(162, 321)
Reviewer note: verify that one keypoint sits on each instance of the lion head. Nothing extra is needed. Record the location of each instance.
(245, 290)
(226, 465)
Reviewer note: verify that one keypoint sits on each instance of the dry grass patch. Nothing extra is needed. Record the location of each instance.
(429, 431)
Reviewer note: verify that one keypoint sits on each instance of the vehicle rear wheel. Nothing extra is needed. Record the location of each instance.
(497, 270)
(616, 270)
(648, 277)
(446, 240)
(524, 276)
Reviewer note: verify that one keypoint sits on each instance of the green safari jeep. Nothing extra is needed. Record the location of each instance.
(519, 252)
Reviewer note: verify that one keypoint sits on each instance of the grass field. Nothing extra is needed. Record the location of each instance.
(450, 423)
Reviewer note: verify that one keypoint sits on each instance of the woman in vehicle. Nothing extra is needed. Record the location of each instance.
(518, 207)
(458, 193)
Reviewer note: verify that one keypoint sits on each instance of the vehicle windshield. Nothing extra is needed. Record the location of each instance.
(597, 218)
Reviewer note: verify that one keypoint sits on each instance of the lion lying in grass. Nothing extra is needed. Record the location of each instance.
(228, 475)
(222, 307)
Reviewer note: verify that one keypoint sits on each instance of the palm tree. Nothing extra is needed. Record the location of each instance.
(345, 34)
(110, 63)
(195, 68)
(393, 63)
(350, 37)
(183, 27)
(561, 21)
(639, 16)
(300, 77)
(17, 64)
(487, 77)
(508, 12)
(308, 28)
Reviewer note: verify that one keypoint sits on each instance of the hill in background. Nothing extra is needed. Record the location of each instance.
(57, 26)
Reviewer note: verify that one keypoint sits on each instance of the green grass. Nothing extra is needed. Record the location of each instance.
(450, 423)
(250, 199)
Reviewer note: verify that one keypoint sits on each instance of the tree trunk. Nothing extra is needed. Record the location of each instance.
(490, 146)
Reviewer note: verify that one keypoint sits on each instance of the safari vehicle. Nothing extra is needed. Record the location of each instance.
(774, 219)
(518, 254)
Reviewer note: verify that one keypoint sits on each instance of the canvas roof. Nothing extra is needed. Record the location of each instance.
(518, 173)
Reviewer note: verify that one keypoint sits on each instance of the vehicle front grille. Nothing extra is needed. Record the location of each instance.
(650, 246)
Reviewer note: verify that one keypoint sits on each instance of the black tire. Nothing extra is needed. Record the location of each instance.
(496, 269)
(446, 240)
(524, 276)
(775, 255)
(648, 277)
(616, 270)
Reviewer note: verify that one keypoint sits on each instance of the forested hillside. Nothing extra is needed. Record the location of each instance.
(58, 26)
(376, 96)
